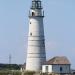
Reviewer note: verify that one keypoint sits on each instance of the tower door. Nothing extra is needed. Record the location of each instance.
(33, 14)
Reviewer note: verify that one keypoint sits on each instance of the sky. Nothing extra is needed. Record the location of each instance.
(59, 26)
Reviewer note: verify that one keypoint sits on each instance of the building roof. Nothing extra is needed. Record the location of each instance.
(58, 60)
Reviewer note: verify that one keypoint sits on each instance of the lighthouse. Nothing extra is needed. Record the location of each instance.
(36, 54)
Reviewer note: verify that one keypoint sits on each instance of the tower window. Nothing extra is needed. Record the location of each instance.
(30, 34)
(33, 14)
(30, 22)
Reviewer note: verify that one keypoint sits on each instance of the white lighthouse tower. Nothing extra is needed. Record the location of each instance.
(36, 42)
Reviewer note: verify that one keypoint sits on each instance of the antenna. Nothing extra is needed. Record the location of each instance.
(9, 61)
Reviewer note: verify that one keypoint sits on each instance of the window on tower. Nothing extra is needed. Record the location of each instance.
(30, 34)
(30, 22)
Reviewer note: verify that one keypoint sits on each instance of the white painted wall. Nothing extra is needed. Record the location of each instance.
(56, 68)
(44, 68)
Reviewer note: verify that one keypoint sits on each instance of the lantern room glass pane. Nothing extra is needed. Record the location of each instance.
(36, 4)
(33, 4)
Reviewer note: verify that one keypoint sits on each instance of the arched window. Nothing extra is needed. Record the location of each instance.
(33, 14)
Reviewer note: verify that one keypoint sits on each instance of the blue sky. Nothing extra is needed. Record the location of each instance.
(59, 24)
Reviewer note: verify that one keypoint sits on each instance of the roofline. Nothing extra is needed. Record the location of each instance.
(56, 64)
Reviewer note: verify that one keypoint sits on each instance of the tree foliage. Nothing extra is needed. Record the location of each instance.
(10, 67)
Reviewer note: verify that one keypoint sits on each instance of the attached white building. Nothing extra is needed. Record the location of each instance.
(57, 65)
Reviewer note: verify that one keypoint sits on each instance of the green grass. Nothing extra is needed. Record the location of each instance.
(15, 72)
(8, 72)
